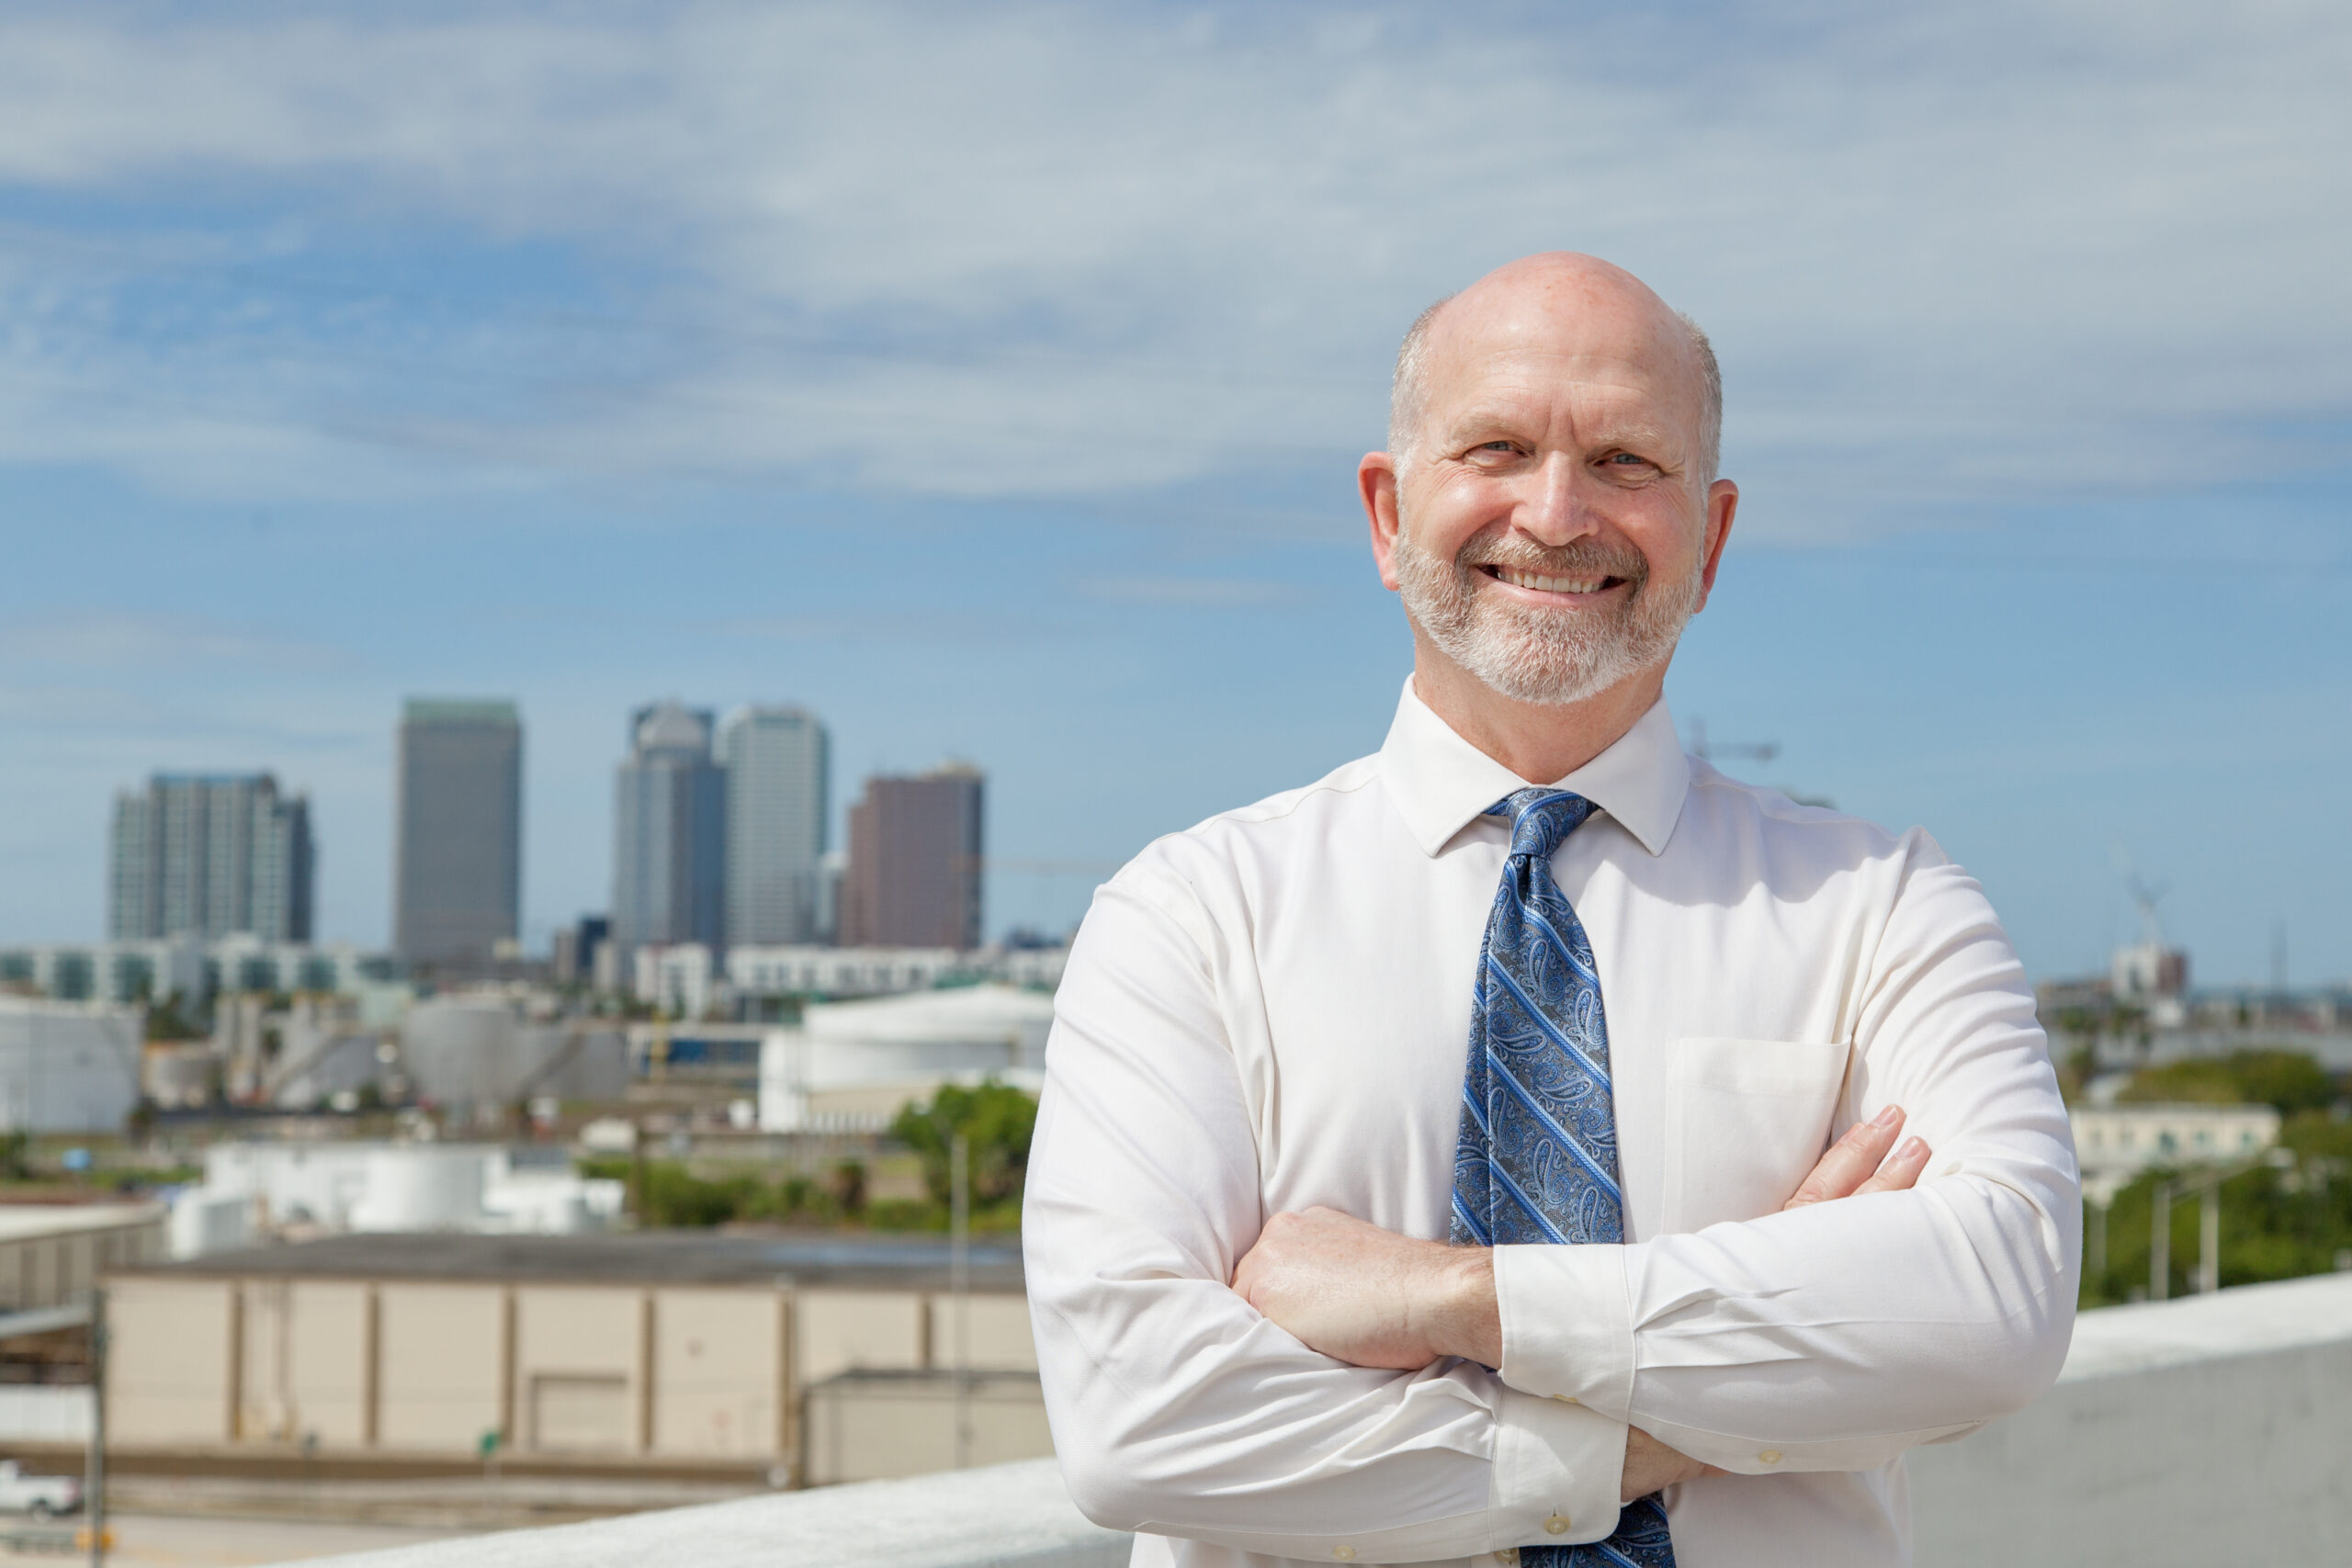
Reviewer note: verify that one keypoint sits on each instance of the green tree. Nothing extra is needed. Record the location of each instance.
(996, 1121)
(2291, 1081)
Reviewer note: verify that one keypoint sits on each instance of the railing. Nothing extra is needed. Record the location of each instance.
(2211, 1430)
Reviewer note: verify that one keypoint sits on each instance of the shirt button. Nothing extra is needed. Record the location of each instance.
(1556, 1525)
(1770, 1456)
(1508, 1557)
(1568, 1399)
(1344, 1553)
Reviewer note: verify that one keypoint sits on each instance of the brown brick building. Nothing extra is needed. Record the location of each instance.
(914, 861)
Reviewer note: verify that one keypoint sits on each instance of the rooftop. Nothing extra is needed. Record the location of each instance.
(808, 1260)
(458, 710)
(21, 1219)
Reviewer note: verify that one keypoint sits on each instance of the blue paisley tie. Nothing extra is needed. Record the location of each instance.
(1537, 1158)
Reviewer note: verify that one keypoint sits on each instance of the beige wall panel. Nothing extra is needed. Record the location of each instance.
(167, 1365)
(442, 1347)
(327, 1360)
(578, 1381)
(715, 1372)
(841, 1331)
(12, 1276)
(879, 1432)
(1000, 1340)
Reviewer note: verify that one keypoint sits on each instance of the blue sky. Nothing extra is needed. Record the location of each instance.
(991, 381)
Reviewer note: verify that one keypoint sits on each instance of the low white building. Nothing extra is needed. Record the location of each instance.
(126, 971)
(2115, 1142)
(67, 1067)
(253, 1188)
(853, 1065)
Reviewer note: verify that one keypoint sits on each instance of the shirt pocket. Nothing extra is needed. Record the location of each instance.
(1747, 1120)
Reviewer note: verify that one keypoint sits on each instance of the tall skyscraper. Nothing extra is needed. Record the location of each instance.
(669, 833)
(776, 760)
(458, 871)
(210, 855)
(914, 861)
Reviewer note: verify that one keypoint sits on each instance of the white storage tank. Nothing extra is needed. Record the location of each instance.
(421, 1187)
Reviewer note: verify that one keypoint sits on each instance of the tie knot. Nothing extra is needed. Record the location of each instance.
(1540, 818)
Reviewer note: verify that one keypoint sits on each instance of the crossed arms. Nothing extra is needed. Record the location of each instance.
(1372, 1298)
(1343, 1410)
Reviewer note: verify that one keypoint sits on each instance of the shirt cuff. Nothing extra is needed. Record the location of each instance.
(1558, 1470)
(1568, 1324)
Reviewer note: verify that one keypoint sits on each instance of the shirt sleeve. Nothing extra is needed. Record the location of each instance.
(1176, 1407)
(1836, 1336)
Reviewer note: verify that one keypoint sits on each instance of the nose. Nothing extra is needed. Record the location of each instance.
(1555, 509)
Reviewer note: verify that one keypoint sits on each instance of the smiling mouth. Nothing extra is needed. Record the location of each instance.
(1543, 584)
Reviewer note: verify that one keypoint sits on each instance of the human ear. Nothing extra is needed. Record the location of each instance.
(1376, 487)
(1722, 503)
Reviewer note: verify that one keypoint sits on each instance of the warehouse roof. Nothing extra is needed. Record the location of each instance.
(685, 1257)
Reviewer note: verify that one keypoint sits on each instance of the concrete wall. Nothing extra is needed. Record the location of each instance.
(2209, 1430)
(874, 1426)
(413, 1368)
(172, 1360)
(841, 1331)
(719, 1367)
(444, 1361)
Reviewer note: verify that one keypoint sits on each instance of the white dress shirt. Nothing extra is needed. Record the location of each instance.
(1272, 1010)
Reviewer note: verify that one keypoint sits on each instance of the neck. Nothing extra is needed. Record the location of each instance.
(1541, 742)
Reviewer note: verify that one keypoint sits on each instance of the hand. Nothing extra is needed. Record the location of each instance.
(1651, 1466)
(1854, 1166)
(1369, 1297)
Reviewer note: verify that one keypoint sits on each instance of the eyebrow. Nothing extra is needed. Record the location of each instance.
(1607, 433)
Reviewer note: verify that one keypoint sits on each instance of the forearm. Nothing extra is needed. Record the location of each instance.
(1179, 1416)
(1833, 1337)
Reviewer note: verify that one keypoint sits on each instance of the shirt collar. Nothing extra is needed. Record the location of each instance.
(1441, 782)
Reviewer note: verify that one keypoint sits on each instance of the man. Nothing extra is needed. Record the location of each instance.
(1432, 1164)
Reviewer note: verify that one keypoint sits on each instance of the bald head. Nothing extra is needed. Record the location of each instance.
(1545, 293)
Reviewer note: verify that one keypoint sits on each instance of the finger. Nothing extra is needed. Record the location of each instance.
(1851, 1160)
(1901, 1169)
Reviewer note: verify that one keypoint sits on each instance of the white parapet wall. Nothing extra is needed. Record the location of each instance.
(2205, 1431)
(2215, 1429)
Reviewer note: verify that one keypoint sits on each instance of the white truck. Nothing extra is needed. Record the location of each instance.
(39, 1496)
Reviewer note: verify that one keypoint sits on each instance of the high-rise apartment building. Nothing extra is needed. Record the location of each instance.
(914, 861)
(776, 809)
(211, 856)
(457, 872)
(669, 833)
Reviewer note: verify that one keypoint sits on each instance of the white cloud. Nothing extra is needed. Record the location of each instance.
(158, 643)
(1032, 250)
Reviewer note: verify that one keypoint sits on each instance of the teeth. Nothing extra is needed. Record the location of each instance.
(1518, 579)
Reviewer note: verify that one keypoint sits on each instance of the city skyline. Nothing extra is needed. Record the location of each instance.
(1029, 436)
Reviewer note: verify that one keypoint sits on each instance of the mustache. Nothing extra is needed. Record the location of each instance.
(1586, 557)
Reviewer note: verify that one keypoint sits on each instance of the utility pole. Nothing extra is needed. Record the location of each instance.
(2160, 1243)
(959, 1269)
(2209, 1239)
(94, 1480)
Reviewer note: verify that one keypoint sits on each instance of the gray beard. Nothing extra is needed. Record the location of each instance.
(1552, 658)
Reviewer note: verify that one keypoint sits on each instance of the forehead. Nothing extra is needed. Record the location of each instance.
(1545, 358)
